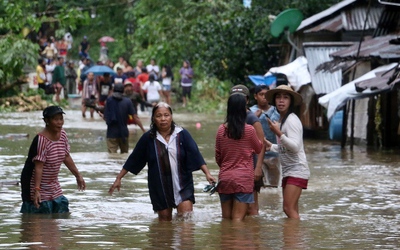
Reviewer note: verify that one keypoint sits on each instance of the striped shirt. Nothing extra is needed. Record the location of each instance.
(235, 160)
(52, 153)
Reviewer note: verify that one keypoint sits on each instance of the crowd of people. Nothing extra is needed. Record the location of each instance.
(61, 77)
(266, 135)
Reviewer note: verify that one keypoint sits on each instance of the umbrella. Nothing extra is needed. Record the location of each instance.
(99, 70)
(266, 80)
(106, 39)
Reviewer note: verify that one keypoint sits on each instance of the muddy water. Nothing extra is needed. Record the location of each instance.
(352, 201)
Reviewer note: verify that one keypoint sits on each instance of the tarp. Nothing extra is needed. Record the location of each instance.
(338, 98)
(296, 72)
(259, 80)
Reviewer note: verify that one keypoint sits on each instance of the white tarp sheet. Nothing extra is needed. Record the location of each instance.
(296, 72)
(338, 98)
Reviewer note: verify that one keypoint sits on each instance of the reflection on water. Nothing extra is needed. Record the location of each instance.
(352, 201)
(40, 231)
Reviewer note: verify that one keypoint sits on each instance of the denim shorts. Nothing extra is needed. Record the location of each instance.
(241, 197)
(58, 205)
(166, 87)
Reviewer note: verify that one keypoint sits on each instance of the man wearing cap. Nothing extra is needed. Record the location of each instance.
(84, 47)
(116, 114)
(253, 120)
(41, 190)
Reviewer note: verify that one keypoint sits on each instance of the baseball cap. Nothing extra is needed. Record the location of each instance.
(52, 111)
(127, 82)
(84, 37)
(240, 89)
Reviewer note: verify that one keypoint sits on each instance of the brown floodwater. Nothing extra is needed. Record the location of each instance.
(353, 199)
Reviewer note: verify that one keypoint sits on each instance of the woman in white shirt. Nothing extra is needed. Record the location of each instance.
(153, 90)
(289, 133)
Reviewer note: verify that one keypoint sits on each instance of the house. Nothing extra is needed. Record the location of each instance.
(341, 44)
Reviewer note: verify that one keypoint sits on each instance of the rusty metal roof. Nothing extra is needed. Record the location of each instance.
(375, 47)
(354, 18)
(323, 14)
(384, 80)
(351, 20)
(335, 24)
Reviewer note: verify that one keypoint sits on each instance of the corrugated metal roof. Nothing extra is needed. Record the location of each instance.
(382, 81)
(337, 7)
(376, 47)
(334, 25)
(316, 54)
(354, 18)
(389, 21)
(351, 20)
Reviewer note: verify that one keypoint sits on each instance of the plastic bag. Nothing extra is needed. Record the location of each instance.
(271, 172)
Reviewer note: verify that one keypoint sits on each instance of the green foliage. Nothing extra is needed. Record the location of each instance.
(15, 53)
(224, 41)
(18, 18)
(209, 95)
(221, 38)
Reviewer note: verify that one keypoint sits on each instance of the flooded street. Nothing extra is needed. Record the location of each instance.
(353, 200)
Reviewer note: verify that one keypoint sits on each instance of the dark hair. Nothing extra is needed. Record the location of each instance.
(151, 78)
(106, 74)
(236, 116)
(144, 70)
(131, 73)
(187, 63)
(153, 126)
(281, 79)
(259, 88)
(168, 71)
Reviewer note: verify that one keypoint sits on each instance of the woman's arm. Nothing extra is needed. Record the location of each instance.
(260, 134)
(38, 179)
(209, 177)
(293, 139)
(117, 182)
(69, 162)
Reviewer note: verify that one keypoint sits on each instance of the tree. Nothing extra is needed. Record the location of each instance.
(20, 21)
(221, 37)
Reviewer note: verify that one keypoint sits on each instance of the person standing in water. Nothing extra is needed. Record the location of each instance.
(235, 144)
(253, 120)
(41, 190)
(186, 73)
(171, 155)
(263, 110)
(289, 133)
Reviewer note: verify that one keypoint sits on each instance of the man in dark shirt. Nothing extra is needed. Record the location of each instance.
(84, 48)
(116, 114)
(105, 88)
(119, 78)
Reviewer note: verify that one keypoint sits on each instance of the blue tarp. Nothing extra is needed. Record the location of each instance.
(266, 80)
